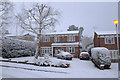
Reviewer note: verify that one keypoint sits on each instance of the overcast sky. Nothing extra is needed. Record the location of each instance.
(92, 16)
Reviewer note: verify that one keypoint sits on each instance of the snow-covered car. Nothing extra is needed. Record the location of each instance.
(84, 55)
(64, 55)
(101, 56)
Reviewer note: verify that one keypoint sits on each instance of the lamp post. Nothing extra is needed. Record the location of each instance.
(116, 24)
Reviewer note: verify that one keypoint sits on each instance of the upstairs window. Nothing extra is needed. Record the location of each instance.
(71, 38)
(109, 40)
(56, 39)
(46, 39)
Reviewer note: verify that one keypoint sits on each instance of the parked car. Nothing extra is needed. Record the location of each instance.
(84, 55)
(64, 55)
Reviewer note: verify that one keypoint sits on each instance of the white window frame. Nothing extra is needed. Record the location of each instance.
(112, 40)
(114, 54)
(46, 38)
(70, 49)
(56, 38)
(46, 50)
(71, 38)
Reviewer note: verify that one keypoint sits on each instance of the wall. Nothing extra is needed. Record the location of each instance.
(100, 42)
(63, 39)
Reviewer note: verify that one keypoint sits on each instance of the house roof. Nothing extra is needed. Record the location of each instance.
(60, 33)
(106, 32)
(66, 44)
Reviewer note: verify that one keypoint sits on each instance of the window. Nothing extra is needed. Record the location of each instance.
(109, 40)
(46, 39)
(56, 51)
(71, 49)
(46, 50)
(62, 49)
(71, 38)
(56, 38)
(114, 54)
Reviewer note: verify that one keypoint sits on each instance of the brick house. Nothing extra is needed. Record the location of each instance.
(67, 41)
(108, 40)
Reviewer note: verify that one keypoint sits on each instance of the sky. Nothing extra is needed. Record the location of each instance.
(92, 16)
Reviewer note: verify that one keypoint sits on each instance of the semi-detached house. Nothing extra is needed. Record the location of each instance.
(68, 41)
(109, 40)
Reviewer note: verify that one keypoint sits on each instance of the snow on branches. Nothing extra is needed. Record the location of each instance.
(17, 48)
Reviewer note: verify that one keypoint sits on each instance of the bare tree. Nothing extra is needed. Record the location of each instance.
(37, 19)
(85, 42)
(6, 8)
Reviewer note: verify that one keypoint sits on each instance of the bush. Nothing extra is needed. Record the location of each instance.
(101, 56)
(12, 48)
(47, 61)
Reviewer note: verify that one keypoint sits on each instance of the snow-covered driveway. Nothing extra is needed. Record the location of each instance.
(78, 69)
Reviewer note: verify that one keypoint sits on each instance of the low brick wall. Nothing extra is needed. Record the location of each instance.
(114, 60)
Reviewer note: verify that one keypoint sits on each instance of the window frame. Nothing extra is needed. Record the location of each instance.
(70, 49)
(45, 50)
(56, 38)
(71, 38)
(46, 38)
(114, 54)
(112, 40)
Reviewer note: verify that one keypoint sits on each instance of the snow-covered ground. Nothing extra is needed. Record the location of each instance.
(78, 69)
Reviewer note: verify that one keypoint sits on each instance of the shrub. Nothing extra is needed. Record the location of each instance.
(47, 61)
(17, 48)
(101, 56)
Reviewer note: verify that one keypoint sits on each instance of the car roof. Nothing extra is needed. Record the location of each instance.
(84, 53)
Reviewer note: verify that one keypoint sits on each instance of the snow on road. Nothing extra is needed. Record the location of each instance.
(78, 69)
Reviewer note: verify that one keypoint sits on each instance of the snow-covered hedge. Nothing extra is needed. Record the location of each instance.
(47, 61)
(101, 56)
(17, 48)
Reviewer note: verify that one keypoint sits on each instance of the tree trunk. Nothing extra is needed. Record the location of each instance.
(38, 49)
(36, 53)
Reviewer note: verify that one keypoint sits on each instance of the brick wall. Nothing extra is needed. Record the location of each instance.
(63, 39)
(100, 42)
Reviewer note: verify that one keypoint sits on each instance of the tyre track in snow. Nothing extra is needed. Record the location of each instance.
(32, 69)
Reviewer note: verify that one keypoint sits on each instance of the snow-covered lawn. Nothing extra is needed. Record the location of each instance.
(78, 69)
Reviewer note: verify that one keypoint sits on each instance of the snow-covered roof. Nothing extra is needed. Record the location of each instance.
(66, 32)
(65, 44)
(106, 32)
